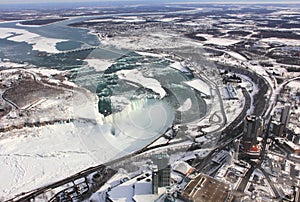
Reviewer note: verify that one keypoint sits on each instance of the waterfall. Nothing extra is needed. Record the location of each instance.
(143, 119)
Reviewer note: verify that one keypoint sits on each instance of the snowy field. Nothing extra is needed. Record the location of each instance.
(210, 39)
(288, 42)
(150, 40)
(32, 157)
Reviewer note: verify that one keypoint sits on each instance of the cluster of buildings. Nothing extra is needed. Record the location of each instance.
(159, 184)
(252, 168)
(262, 165)
(147, 186)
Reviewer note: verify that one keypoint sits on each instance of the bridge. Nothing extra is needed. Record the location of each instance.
(75, 50)
(89, 48)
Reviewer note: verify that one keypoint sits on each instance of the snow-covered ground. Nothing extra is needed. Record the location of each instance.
(150, 40)
(11, 64)
(217, 40)
(233, 108)
(289, 42)
(32, 157)
(38, 42)
(168, 19)
(119, 19)
(294, 84)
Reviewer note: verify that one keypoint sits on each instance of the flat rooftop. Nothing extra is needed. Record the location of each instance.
(204, 188)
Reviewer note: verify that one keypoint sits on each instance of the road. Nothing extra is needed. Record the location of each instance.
(247, 176)
(8, 101)
(230, 133)
(267, 116)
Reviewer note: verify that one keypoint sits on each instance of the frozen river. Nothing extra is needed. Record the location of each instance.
(143, 94)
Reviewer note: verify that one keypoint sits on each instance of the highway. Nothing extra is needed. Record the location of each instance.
(230, 133)
(107, 173)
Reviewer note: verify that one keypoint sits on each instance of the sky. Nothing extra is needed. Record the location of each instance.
(157, 1)
(54, 1)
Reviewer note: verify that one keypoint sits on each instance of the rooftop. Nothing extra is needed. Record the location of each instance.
(204, 188)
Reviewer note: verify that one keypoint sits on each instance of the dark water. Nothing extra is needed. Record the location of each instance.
(22, 52)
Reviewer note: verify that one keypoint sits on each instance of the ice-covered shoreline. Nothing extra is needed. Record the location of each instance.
(137, 77)
(38, 42)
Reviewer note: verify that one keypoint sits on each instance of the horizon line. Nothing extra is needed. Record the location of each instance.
(156, 2)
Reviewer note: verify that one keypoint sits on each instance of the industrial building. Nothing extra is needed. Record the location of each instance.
(229, 92)
(204, 188)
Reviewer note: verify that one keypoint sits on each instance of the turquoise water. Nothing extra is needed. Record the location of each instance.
(106, 84)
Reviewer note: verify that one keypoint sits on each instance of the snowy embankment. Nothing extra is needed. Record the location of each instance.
(38, 42)
(288, 42)
(150, 54)
(22, 25)
(137, 77)
(236, 55)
